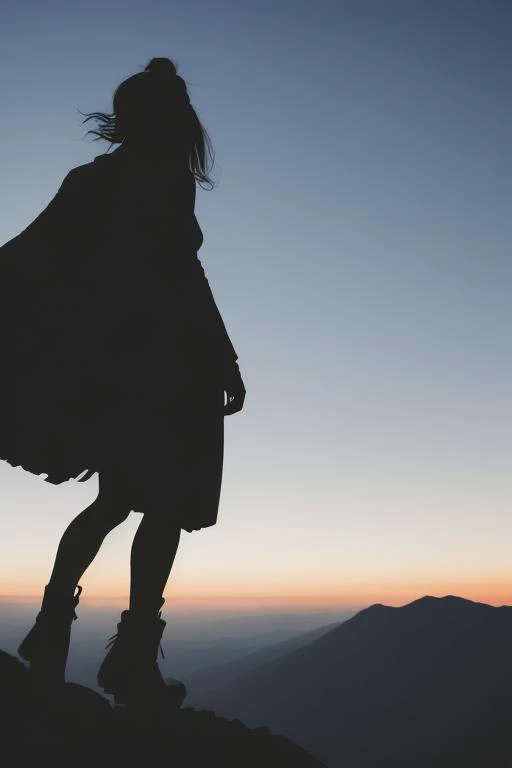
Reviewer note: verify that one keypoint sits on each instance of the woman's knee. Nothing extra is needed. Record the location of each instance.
(116, 515)
(105, 516)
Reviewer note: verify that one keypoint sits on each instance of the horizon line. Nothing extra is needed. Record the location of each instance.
(237, 602)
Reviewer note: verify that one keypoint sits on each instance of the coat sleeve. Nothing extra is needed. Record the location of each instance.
(202, 312)
(208, 316)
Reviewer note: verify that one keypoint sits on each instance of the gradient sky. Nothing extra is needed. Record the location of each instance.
(358, 247)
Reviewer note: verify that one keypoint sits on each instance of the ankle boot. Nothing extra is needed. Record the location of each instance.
(130, 670)
(46, 646)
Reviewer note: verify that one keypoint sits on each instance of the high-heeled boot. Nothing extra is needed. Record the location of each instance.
(46, 646)
(130, 669)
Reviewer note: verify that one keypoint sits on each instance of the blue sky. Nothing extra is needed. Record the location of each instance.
(358, 247)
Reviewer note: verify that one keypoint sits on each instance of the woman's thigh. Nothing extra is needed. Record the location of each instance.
(112, 491)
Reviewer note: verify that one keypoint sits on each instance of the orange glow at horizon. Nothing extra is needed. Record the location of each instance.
(352, 596)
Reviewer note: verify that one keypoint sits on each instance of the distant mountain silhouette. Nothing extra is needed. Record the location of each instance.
(84, 729)
(428, 684)
(200, 682)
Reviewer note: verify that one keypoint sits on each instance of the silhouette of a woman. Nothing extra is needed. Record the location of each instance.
(110, 267)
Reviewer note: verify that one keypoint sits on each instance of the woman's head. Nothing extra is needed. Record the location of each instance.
(154, 106)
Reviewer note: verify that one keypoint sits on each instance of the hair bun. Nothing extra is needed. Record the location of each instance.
(161, 67)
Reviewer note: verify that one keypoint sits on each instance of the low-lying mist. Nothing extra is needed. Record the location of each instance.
(194, 638)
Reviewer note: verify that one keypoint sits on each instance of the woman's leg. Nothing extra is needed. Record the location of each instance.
(47, 643)
(83, 537)
(153, 551)
(130, 670)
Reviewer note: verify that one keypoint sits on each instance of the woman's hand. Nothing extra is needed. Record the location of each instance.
(234, 389)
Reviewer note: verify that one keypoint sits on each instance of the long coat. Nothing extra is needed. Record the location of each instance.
(113, 347)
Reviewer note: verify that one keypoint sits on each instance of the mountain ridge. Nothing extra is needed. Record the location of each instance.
(421, 678)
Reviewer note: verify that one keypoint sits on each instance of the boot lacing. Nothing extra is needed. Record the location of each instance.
(113, 639)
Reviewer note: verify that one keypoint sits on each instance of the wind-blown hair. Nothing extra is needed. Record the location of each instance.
(156, 92)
